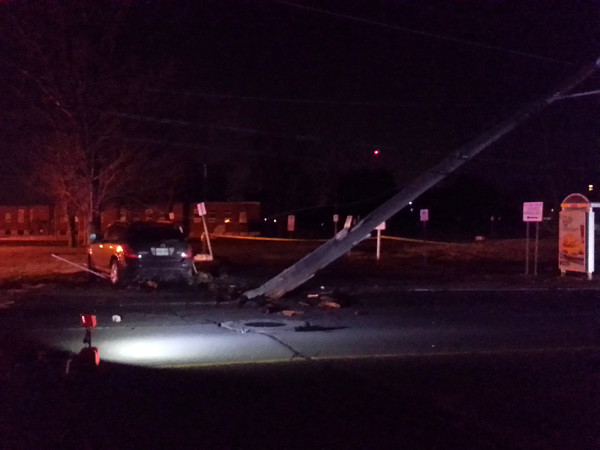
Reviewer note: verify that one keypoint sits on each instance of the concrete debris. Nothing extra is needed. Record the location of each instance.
(329, 300)
(271, 308)
(34, 286)
(116, 318)
(291, 313)
(6, 304)
(223, 292)
(329, 305)
(204, 278)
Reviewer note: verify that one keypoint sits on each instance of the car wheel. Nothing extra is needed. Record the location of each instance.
(116, 274)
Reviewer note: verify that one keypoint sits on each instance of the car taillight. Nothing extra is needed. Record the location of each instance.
(188, 252)
(127, 251)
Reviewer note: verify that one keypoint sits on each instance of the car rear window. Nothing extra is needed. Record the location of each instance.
(153, 232)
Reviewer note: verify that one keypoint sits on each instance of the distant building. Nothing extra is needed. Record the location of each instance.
(222, 218)
(26, 220)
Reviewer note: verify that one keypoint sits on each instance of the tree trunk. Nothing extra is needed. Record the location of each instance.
(72, 231)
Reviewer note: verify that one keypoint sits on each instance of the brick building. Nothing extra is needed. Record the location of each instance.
(233, 218)
(26, 220)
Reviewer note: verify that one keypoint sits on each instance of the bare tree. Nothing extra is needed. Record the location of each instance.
(72, 66)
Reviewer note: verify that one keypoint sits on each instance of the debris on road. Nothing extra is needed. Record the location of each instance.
(328, 304)
(204, 277)
(151, 284)
(271, 308)
(328, 300)
(6, 304)
(224, 293)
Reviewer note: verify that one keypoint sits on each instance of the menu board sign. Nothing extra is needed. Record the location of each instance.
(572, 240)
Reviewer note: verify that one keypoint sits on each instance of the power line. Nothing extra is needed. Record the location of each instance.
(185, 123)
(428, 34)
(580, 94)
(284, 100)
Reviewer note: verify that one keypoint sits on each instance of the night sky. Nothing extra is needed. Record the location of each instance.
(339, 79)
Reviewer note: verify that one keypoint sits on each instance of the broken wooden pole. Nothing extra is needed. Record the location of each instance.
(345, 240)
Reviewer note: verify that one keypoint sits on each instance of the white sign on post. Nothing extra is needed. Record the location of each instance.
(291, 222)
(424, 214)
(201, 209)
(533, 211)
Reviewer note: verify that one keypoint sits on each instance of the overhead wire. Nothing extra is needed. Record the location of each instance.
(428, 34)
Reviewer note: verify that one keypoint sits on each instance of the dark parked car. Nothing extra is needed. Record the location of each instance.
(142, 251)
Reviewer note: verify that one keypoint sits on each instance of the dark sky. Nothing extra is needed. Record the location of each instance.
(415, 79)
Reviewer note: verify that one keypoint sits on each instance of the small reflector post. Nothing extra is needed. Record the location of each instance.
(88, 320)
(89, 357)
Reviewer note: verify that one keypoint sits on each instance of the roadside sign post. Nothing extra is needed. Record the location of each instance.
(424, 217)
(527, 248)
(532, 212)
(535, 255)
(291, 224)
(336, 219)
(201, 207)
(379, 227)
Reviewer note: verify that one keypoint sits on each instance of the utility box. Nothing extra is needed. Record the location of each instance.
(576, 235)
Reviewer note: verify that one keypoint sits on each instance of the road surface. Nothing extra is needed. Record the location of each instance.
(420, 369)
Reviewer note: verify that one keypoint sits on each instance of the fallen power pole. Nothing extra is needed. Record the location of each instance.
(343, 242)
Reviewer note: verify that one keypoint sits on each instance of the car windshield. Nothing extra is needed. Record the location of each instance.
(153, 232)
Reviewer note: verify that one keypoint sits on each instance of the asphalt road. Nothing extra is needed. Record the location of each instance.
(413, 369)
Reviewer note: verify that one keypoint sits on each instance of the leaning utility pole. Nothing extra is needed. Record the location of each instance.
(343, 242)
